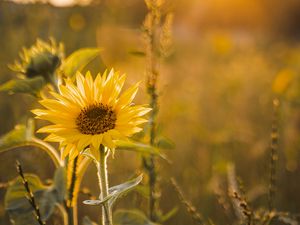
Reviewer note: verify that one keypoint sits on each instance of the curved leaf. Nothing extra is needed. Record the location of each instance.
(23, 135)
(165, 143)
(29, 86)
(78, 60)
(18, 135)
(15, 202)
(116, 192)
(47, 197)
(86, 221)
(15, 194)
(47, 203)
(54, 194)
(137, 146)
(60, 183)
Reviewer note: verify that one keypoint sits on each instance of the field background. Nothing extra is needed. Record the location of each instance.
(215, 94)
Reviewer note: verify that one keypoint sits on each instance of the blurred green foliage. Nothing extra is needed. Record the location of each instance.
(216, 94)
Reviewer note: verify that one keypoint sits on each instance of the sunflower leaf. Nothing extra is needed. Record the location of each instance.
(47, 203)
(132, 217)
(86, 221)
(30, 86)
(55, 194)
(116, 192)
(60, 183)
(78, 60)
(19, 135)
(15, 202)
(47, 197)
(15, 194)
(137, 146)
(165, 143)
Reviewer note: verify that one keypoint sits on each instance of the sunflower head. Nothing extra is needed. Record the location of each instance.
(91, 112)
(41, 59)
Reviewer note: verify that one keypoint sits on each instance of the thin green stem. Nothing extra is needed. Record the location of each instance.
(81, 169)
(103, 185)
(64, 214)
(49, 149)
(152, 167)
(43, 146)
(70, 215)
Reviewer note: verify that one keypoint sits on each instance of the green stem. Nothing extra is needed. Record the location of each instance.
(35, 142)
(103, 185)
(75, 214)
(80, 172)
(152, 35)
(152, 167)
(64, 214)
(70, 216)
(49, 149)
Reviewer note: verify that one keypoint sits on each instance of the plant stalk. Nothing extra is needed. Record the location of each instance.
(70, 216)
(153, 72)
(64, 214)
(72, 209)
(151, 163)
(273, 154)
(30, 196)
(103, 185)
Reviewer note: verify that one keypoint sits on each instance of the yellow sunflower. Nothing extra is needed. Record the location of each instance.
(91, 113)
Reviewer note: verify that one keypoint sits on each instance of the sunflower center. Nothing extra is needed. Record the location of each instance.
(96, 119)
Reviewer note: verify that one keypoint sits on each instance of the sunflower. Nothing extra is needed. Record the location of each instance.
(41, 59)
(91, 113)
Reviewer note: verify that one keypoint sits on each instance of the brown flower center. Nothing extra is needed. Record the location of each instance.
(96, 119)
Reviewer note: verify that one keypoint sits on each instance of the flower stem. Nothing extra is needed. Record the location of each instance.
(64, 214)
(70, 216)
(103, 185)
(72, 209)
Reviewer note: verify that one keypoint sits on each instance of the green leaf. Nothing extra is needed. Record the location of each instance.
(15, 194)
(165, 143)
(141, 148)
(137, 53)
(23, 219)
(29, 86)
(47, 197)
(131, 217)
(144, 190)
(17, 136)
(78, 60)
(60, 183)
(47, 203)
(169, 214)
(54, 194)
(137, 146)
(116, 192)
(86, 221)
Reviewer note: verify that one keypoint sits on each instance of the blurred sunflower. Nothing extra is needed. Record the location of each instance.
(41, 59)
(91, 113)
